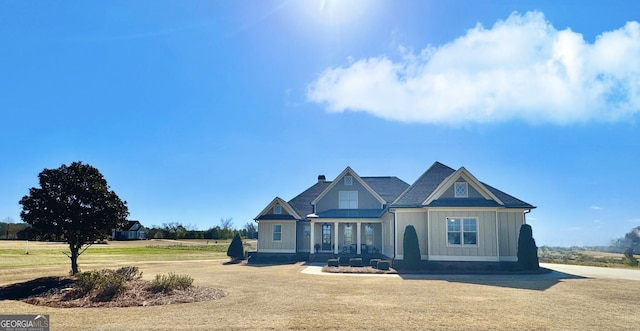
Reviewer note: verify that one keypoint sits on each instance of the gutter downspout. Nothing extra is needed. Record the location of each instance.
(524, 220)
(395, 227)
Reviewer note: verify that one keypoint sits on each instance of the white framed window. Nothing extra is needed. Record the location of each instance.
(462, 231)
(277, 209)
(277, 232)
(460, 190)
(348, 234)
(368, 235)
(307, 230)
(348, 199)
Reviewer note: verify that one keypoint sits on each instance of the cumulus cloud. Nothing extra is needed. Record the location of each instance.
(521, 68)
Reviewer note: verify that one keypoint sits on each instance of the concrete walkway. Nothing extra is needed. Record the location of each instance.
(560, 271)
(594, 272)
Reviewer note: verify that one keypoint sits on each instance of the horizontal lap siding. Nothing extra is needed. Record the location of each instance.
(486, 234)
(509, 224)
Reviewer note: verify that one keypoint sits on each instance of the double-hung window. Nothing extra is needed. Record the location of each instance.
(462, 231)
(348, 199)
(277, 232)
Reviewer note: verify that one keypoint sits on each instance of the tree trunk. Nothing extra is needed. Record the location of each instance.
(74, 258)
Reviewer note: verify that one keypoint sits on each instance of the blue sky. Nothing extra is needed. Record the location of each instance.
(201, 110)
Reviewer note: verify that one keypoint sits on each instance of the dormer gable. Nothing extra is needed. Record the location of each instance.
(278, 209)
(348, 191)
(461, 185)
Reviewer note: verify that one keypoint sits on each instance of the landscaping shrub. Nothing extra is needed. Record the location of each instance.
(410, 249)
(374, 263)
(333, 262)
(355, 262)
(527, 249)
(170, 282)
(630, 260)
(344, 260)
(105, 284)
(235, 250)
(383, 265)
(129, 273)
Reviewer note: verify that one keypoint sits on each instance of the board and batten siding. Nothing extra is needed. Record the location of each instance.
(418, 219)
(365, 199)
(486, 250)
(509, 229)
(287, 244)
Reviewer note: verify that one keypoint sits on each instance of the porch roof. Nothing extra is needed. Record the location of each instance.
(352, 213)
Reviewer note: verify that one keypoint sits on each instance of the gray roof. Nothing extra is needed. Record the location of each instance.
(302, 202)
(398, 193)
(415, 195)
(389, 188)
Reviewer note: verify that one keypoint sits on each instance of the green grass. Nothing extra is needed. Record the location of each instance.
(48, 254)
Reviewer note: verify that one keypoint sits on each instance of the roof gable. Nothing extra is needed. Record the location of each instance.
(345, 172)
(287, 211)
(415, 194)
(471, 180)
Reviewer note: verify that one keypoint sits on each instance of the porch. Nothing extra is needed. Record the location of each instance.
(340, 238)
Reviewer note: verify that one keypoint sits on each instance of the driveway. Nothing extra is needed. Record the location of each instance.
(594, 272)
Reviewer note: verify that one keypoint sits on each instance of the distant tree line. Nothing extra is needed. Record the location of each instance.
(9, 230)
(225, 230)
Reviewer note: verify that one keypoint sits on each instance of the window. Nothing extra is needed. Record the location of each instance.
(348, 180)
(277, 209)
(368, 235)
(348, 234)
(277, 232)
(461, 190)
(307, 231)
(462, 231)
(348, 199)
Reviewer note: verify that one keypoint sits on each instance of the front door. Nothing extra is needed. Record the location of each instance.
(326, 237)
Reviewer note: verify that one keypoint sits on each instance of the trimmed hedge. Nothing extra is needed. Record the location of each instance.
(355, 262)
(383, 265)
(333, 262)
(344, 260)
(374, 263)
(411, 249)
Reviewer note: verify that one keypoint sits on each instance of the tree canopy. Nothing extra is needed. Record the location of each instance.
(74, 204)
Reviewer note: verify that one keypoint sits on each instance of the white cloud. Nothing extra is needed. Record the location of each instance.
(595, 208)
(521, 68)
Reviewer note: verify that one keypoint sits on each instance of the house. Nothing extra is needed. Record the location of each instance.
(134, 230)
(456, 216)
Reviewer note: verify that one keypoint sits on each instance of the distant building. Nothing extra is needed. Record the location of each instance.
(133, 231)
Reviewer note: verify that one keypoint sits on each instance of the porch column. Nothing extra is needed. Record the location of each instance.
(312, 250)
(358, 239)
(335, 237)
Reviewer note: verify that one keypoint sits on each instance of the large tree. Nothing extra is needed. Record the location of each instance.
(75, 204)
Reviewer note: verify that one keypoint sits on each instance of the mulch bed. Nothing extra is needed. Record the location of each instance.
(56, 292)
(357, 270)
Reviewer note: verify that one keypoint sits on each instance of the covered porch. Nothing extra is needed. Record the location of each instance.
(347, 238)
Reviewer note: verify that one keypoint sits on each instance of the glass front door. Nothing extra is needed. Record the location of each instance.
(326, 237)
